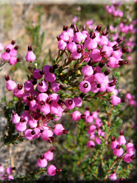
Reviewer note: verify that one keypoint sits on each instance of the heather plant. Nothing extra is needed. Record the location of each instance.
(75, 103)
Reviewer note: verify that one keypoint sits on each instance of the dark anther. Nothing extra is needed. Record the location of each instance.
(7, 78)
(98, 85)
(40, 83)
(115, 47)
(19, 86)
(70, 102)
(18, 59)
(29, 48)
(125, 49)
(65, 27)
(92, 35)
(85, 85)
(7, 50)
(16, 47)
(33, 132)
(13, 42)
(98, 28)
(119, 40)
(107, 72)
(42, 156)
(101, 64)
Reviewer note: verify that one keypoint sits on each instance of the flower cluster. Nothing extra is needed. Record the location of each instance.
(95, 56)
(7, 175)
(131, 99)
(116, 146)
(10, 53)
(113, 10)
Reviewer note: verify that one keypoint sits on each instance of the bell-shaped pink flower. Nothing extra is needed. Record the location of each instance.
(62, 45)
(89, 119)
(1, 168)
(76, 115)
(77, 101)
(76, 55)
(128, 158)
(91, 129)
(72, 46)
(10, 85)
(113, 62)
(29, 134)
(46, 134)
(13, 52)
(118, 151)
(58, 129)
(26, 116)
(2, 176)
(95, 114)
(103, 40)
(44, 108)
(87, 70)
(42, 162)
(9, 170)
(64, 36)
(28, 86)
(19, 91)
(6, 56)
(48, 155)
(42, 97)
(91, 144)
(55, 87)
(70, 104)
(33, 123)
(95, 55)
(113, 176)
(131, 150)
(1, 47)
(13, 60)
(115, 100)
(78, 37)
(37, 73)
(51, 170)
(30, 55)
(114, 143)
(98, 140)
(90, 43)
(15, 118)
(85, 86)
(121, 139)
(21, 126)
(10, 177)
(50, 77)
(42, 86)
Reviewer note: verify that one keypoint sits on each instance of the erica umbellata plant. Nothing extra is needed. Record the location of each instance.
(82, 85)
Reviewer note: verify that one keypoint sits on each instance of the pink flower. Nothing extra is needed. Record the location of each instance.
(30, 55)
(51, 170)
(91, 144)
(1, 168)
(42, 86)
(113, 176)
(118, 151)
(76, 115)
(42, 162)
(85, 86)
(48, 155)
(58, 129)
(70, 104)
(87, 70)
(90, 44)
